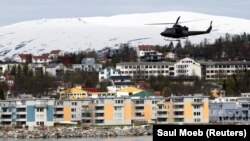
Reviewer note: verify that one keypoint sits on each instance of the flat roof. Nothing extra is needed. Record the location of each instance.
(146, 63)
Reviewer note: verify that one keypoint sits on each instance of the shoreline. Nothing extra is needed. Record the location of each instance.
(75, 132)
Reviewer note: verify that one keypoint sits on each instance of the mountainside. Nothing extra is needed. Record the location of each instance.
(77, 34)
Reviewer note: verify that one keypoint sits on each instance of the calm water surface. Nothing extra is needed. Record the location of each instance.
(141, 138)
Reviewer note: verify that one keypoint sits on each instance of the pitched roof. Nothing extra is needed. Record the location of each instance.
(130, 89)
(44, 56)
(143, 94)
(75, 90)
(24, 56)
(55, 51)
(91, 89)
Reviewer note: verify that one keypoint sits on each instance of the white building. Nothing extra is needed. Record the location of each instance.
(106, 73)
(187, 67)
(88, 64)
(55, 53)
(220, 70)
(54, 69)
(22, 58)
(43, 59)
(170, 55)
(146, 69)
(143, 49)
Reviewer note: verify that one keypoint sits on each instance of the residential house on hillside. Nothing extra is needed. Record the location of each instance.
(120, 82)
(148, 53)
(106, 73)
(141, 50)
(170, 55)
(55, 69)
(23, 58)
(37, 67)
(88, 64)
(43, 59)
(55, 53)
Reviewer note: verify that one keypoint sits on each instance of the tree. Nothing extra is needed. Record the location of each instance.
(3, 90)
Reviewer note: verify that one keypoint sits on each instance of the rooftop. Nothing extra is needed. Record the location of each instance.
(130, 89)
(146, 63)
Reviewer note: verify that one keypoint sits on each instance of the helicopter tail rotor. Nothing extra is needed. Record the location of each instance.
(210, 27)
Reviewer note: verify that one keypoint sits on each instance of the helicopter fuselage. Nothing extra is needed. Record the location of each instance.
(178, 31)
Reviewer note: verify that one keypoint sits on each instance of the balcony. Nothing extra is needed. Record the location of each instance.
(6, 113)
(99, 117)
(197, 103)
(178, 109)
(179, 116)
(59, 112)
(178, 103)
(21, 113)
(139, 104)
(86, 117)
(6, 119)
(161, 109)
(162, 116)
(21, 119)
(138, 118)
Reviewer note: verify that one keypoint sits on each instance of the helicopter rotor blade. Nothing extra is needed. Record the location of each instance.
(177, 22)
(159, 23)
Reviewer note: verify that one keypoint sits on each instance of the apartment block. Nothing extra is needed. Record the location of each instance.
(230, 110)
(183, 109)
(184, 67)
(221, 70)
(34, 112)
(146, 69)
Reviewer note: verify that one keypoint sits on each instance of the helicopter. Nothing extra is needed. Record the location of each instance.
(178, 31)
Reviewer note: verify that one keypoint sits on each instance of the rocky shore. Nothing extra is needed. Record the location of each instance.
(71, 132)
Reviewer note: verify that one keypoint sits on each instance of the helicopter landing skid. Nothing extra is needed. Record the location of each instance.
(171, 40)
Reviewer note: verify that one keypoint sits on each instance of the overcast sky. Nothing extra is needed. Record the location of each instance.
(12, 11)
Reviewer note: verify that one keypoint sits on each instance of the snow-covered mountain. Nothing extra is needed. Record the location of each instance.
(77, 34)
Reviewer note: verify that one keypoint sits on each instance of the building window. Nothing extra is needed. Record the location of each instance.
(73, 116)
(196, 106)
(119, 101)
(73, 109)
(197, 113)
(40, 123)
(74, 103)
(197, 120)
(39, 110)
(118, 108)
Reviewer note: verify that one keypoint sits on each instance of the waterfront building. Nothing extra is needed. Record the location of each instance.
(231, 110)
(32, 112)
(183, 109)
